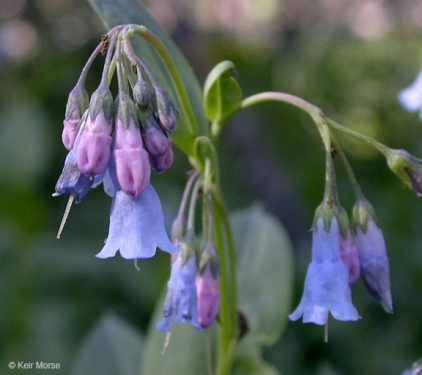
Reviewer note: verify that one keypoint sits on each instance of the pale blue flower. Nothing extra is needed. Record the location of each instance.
(136, 227)
(181, 300)
(411, 97)
(374, 263)
(327, 281)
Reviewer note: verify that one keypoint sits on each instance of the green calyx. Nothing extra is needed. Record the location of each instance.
(126, 110)
(142, 93)
(209, 257)
(189, 246)
(362, 213)
(101, 100)
(407, 168)
(328, 210)
(147, 119)
(77, 101)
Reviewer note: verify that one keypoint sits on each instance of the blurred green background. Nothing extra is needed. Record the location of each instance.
(349, 58)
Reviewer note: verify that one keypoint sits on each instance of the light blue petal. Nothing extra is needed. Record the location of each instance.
(136, 227)
(181, 299)
(411, 97)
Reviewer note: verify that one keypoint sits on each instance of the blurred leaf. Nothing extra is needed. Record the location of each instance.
(185, 354)
(221, 91)
(249, 360)
(118, 12)
(264, 272)
(24, 141)
(112, 347)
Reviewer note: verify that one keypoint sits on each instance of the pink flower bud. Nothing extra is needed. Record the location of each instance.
(208, 297)
(349, 256)
(156, 142)
(130, 159)
(162, 163)
(93, 151)
(69, 130)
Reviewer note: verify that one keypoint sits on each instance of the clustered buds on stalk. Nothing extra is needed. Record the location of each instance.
(112, 141)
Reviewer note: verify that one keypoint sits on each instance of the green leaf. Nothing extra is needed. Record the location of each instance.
(264, 272)
(117, 12)
(222, 93)
(112, 347)
(185, 353)
(249, 359)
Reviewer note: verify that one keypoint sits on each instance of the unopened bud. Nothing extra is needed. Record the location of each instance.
(77, 103)
(407, 168)
(161, 164)
(142, 93)
(374, 263)
(166, 110)
(130, 159)
(156, 141)
(208, 296)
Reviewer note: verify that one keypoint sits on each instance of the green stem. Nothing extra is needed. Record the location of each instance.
(108, 61)
(355, 185)
(172, 69)
(372, 142)
(227, 329)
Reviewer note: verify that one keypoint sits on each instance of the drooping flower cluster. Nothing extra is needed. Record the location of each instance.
(116, 141)
(338, 260)
(192, 291)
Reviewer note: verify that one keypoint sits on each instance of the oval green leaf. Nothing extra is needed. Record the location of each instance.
(222, 93)
(264, 272)
(111, 347)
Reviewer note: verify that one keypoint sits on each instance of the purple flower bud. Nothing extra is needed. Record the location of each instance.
(327, 282)
(181, 300)
(142, 93)
(136, 227)
(208, 297)
(166, 110)
(374, 263)
(130, 159)
(156, 142)
(349, 256)
(69, 130)
(162, 163)
(77, 103)
(94, 146)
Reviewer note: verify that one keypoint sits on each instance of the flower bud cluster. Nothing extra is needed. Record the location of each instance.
(133, 129)
(115, 140)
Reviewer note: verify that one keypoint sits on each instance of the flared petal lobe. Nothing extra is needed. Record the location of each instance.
(327, 281)
(136, 227)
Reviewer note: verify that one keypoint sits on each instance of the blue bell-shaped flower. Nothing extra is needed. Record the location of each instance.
(327, 281)
(136, 227)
